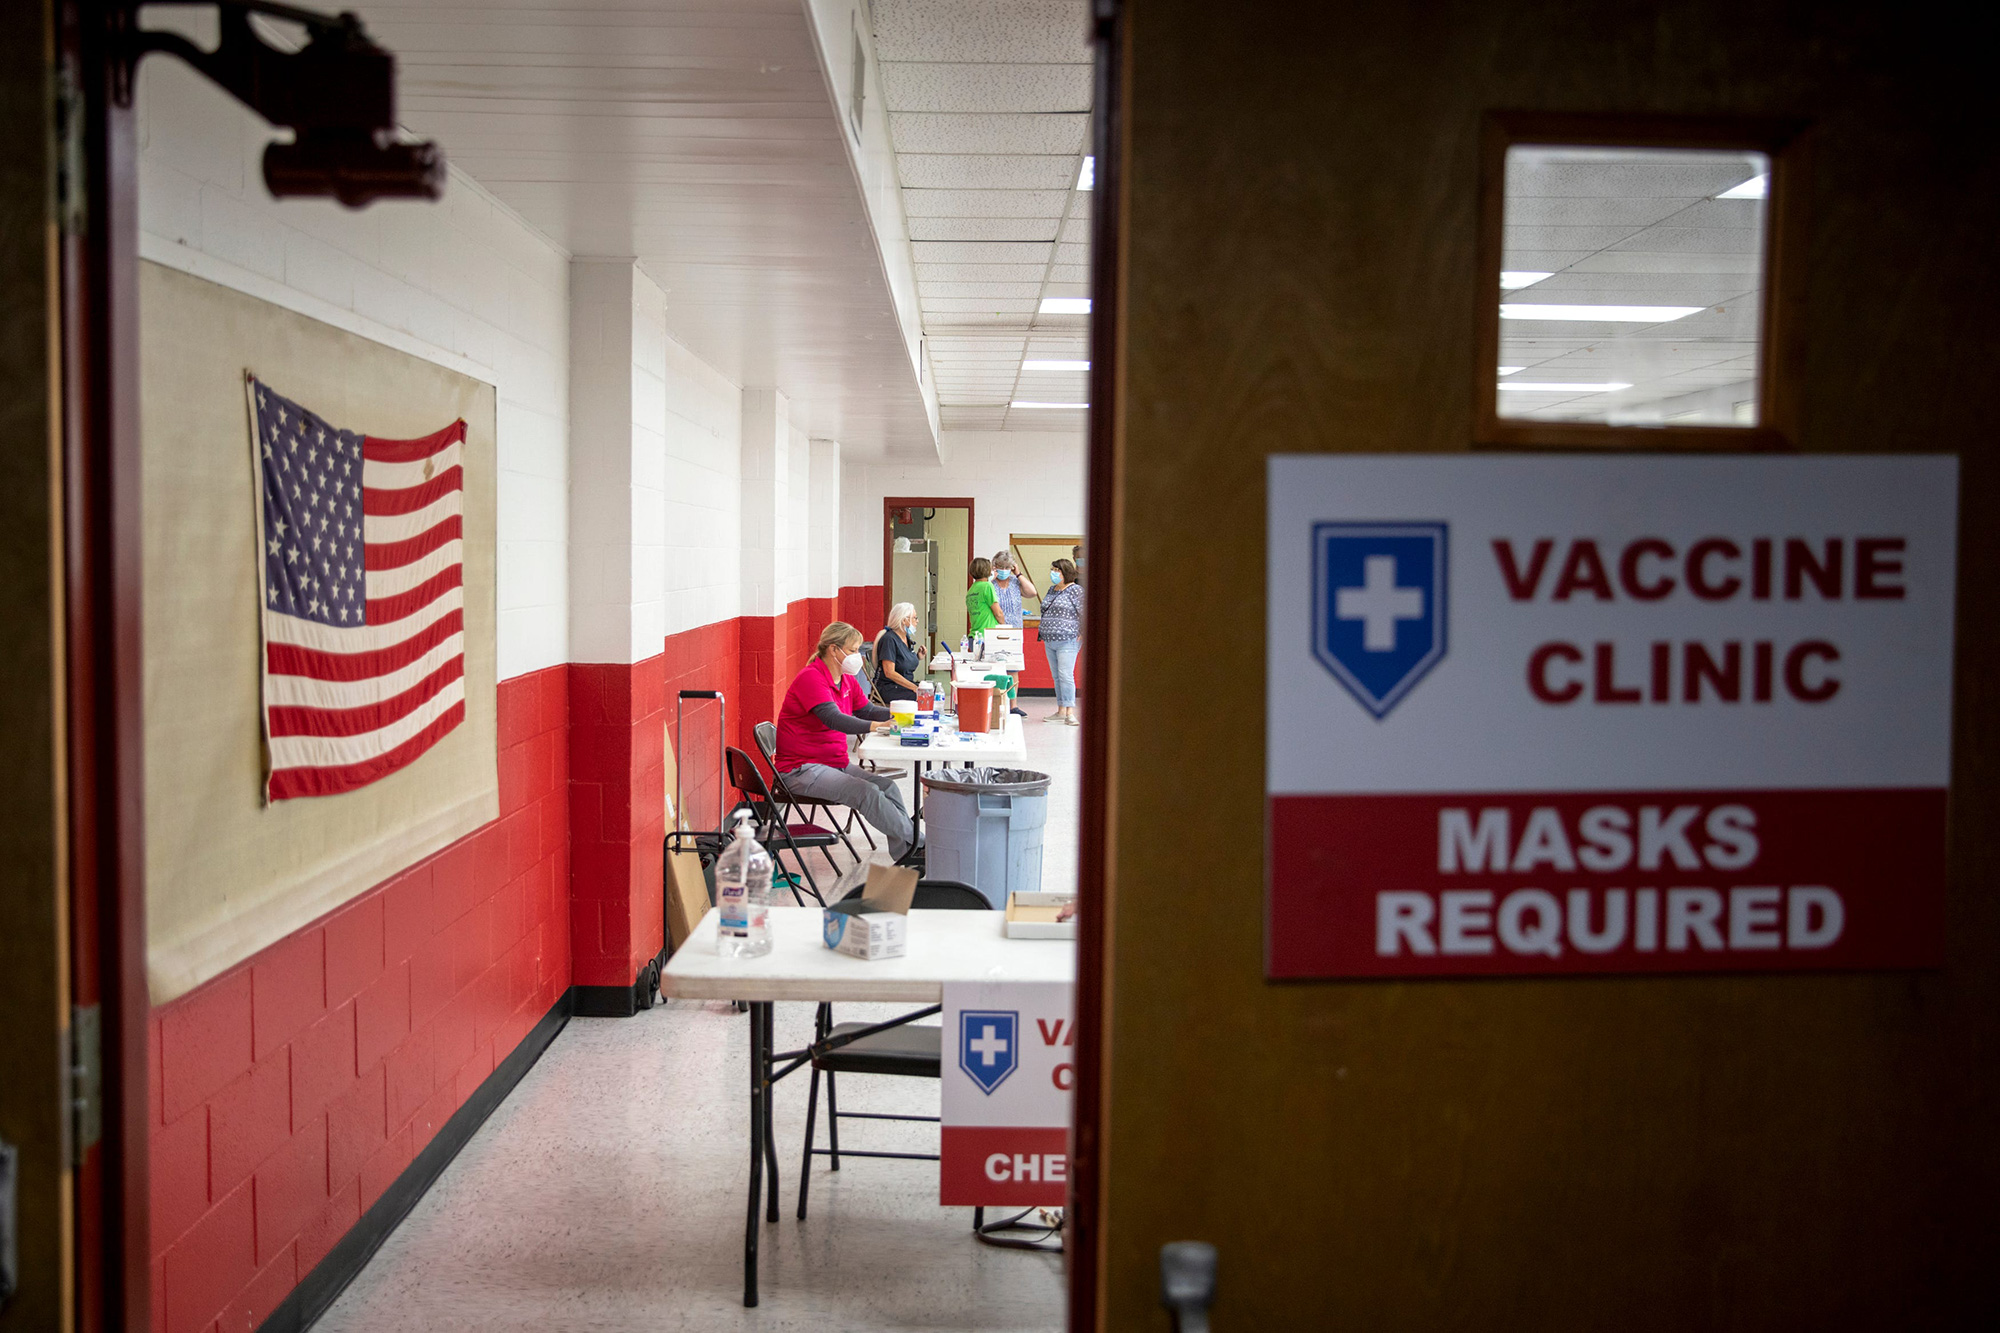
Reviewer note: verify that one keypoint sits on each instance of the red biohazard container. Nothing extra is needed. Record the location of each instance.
(975, 707)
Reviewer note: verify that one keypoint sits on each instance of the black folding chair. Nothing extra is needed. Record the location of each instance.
(764, 808)
(896, 1048)
(795, 804)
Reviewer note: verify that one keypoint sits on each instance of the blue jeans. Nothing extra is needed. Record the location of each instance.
(1062, 665)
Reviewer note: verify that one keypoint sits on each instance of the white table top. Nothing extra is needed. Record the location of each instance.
(943, 946)
(991, 747)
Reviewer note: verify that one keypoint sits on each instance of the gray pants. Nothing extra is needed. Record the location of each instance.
(872, 795)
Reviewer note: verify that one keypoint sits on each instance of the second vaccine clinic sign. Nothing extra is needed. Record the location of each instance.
(1546, 715)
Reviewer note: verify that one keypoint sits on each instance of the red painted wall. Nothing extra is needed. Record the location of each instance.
(617, 817)
(289, 1092)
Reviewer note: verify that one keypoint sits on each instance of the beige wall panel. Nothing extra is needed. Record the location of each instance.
(227, 875)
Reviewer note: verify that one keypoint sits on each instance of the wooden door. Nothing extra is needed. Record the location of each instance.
(1295, 269)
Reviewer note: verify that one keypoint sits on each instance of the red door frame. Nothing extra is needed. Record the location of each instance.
(103, 687)
(890, 502)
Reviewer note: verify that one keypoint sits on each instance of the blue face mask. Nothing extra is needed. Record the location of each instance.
(1055, 578)
(1001, 576)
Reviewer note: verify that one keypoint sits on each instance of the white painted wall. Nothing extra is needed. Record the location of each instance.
(823, 521)
(602, 389)
(704, 459)
(1019, 482)
(465, 283)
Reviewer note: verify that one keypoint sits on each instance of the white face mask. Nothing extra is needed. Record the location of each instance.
(851, 664)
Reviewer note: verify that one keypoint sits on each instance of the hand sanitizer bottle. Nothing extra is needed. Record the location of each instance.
(743, 895)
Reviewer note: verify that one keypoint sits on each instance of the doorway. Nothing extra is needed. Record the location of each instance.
(926, 552)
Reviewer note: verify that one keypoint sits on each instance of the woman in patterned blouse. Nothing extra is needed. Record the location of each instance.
(1062, 635)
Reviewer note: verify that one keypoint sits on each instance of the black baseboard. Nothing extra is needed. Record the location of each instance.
(344, 1262)
(621, 1001)
(1026, 693)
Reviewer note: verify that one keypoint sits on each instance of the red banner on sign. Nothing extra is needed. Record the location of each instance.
(982, 1165)
(1526, 883)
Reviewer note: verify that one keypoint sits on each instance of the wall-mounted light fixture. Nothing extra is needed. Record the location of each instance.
(337, 94)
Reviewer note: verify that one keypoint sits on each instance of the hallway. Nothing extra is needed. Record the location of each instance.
(585, 1203)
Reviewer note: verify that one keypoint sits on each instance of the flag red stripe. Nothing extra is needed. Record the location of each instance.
(287, 783)
(412, 451)
(297, 721)
(286, 659)
(382, 610)
(409, 499)
(394, 555)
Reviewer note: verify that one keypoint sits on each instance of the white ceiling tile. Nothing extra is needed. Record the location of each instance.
(928, 273)
(986, 171)
(997, 133)
(983, 229)
(1076, 274)
(981, 290)
(995, 307)
(1076, 229)
(1070, 252)
(981, 30)
(978, 252)
(987, 88)
(985, 203)
(1067, 288)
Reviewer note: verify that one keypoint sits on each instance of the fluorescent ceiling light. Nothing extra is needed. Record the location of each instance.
(1055, 365)
(1601, 314)
(1754, 188)
(1511, 278)
(1612, 387)
(1053, 407)
(1065, 305)
(1512, 370)
(1087, 178)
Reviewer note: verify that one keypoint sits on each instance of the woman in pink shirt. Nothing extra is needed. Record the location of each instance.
(825, 705)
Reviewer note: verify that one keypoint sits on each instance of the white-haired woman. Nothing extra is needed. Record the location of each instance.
(897, 655)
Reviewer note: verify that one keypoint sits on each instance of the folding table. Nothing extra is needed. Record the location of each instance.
(984, 748)
(943, 946)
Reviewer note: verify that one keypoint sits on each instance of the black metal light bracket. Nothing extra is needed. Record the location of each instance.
(337, 94)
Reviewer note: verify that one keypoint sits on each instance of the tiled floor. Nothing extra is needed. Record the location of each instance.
(608, 1191)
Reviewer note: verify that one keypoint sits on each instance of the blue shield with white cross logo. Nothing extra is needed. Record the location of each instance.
(988, 1048)
(1379, 606)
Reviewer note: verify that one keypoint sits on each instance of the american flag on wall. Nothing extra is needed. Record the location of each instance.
(363, 597)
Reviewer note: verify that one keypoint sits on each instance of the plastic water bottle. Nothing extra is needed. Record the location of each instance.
(743, 895)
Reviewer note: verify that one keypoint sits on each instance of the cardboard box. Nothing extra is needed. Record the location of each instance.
(1037, 916)
(875, 922)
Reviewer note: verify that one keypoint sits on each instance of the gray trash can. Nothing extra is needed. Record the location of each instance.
(983, 827)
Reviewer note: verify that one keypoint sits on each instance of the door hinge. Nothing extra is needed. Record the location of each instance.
(86, 1081)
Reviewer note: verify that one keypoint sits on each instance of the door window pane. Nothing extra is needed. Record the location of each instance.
(1631, 285)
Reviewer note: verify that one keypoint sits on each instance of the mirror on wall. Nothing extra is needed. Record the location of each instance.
(1034, 551)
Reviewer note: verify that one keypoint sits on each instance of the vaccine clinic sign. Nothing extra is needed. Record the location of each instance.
(1009, 1051)
(1550, 715)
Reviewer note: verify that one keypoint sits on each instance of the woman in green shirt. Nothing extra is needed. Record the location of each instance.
(981, 613)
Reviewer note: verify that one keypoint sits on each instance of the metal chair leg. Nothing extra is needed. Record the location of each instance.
(770, 1139)
(805, 1167)
(978, 1218)
(832, 1121)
